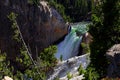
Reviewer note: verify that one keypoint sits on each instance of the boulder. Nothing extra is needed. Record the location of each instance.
(113, 56)
(7, 78)
(40, 26)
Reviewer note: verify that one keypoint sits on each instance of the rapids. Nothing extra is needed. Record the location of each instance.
(69, 47)
(68, 50)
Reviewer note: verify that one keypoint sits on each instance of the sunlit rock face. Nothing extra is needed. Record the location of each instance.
(40, 25)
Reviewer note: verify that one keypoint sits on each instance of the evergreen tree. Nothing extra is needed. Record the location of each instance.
(23, 64)
(72, 10)
(105, 30)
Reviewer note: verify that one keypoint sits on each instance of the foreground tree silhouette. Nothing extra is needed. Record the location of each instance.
(106, 32)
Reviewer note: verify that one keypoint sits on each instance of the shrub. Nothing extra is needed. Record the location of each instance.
(69, 76)
(91, 74)
(81, 70)
(47, 59)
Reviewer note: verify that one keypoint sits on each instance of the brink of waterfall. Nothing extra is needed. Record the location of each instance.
(69, 47)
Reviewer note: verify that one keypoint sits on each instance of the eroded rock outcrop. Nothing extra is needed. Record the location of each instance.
(86, 41)
(40, 25)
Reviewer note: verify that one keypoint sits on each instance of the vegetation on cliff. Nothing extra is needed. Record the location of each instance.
(23, 67)
(105, 31)
(72, 10)
(31, 71)
(18, 62)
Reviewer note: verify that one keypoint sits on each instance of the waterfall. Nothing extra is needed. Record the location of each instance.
(69, 47)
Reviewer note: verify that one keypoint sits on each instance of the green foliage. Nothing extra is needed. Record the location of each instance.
(32, 73)
(86, 48)
(91, 74)
(81, 70)
(69, 76)
(60, 8)
(18, 76)
(105, 31)
(98, 46)
(12, 17)
(22, 57)
(7, 70)
(74, 10)
(3, 66)
(45, 62)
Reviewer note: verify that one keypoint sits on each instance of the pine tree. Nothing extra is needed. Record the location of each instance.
(72, 10)
(105, 30)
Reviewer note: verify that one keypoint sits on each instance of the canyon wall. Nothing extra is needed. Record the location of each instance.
(39, 24)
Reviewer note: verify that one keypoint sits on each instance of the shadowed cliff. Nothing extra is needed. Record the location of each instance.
(40, 26)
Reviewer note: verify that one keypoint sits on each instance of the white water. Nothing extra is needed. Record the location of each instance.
(71, 65)
(69, 47)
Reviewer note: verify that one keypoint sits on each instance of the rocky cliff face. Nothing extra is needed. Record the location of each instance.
(113, 56)
(40, 25)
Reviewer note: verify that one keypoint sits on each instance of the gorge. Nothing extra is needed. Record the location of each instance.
(40, 27)
(67, 50)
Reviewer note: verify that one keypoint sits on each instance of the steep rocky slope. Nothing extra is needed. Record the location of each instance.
(40, 26)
